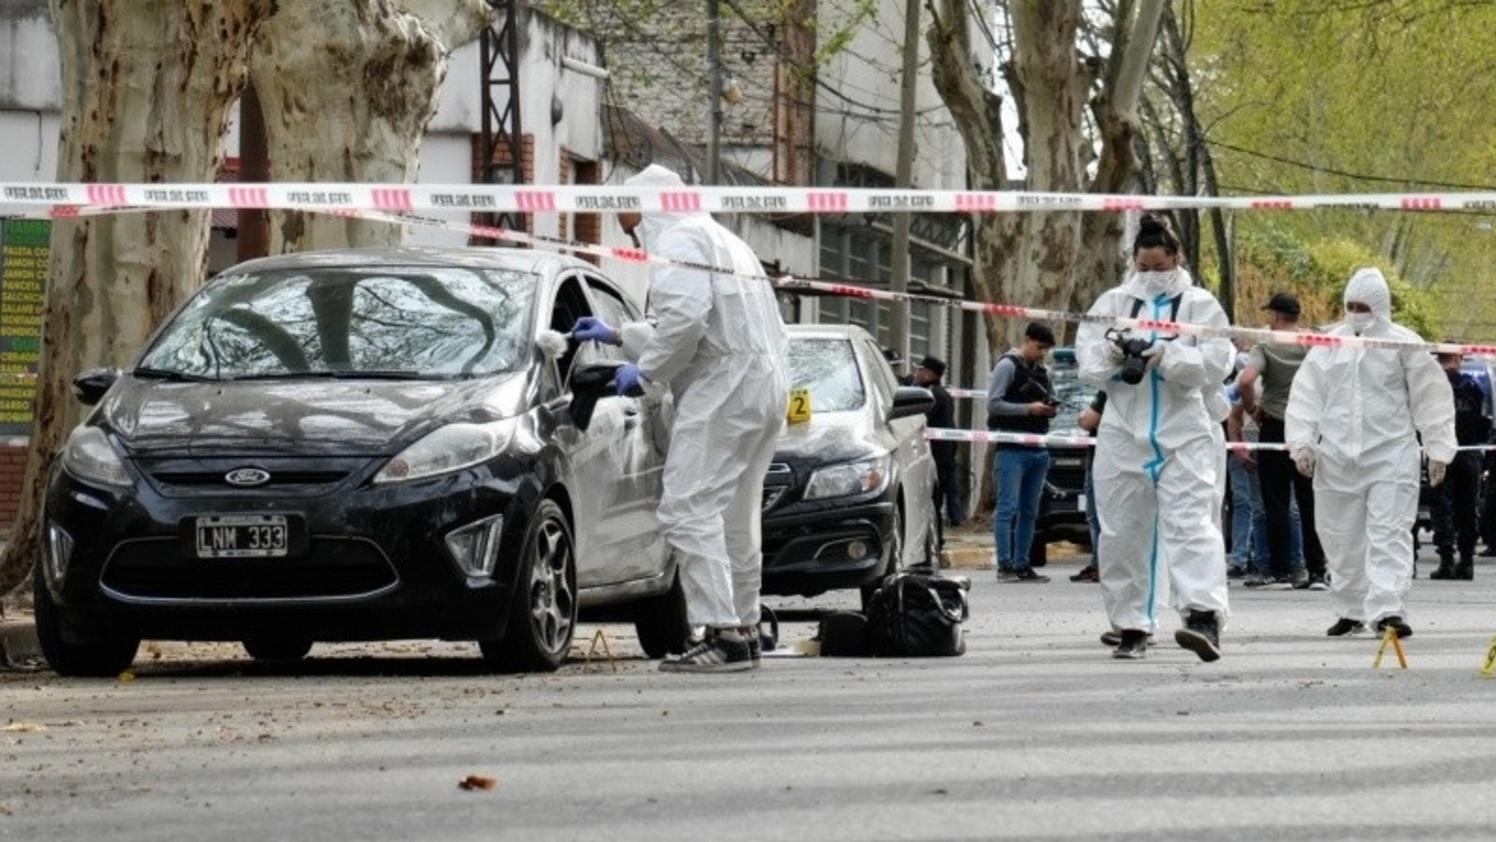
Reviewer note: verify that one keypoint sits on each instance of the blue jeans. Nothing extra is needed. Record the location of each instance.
(1019, 477)
(1262, 561)
(1246, 510)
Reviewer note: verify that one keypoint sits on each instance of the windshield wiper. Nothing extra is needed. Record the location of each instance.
(343, 375)
(168, 374)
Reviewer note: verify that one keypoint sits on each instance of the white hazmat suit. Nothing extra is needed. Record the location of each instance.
(1352, 415)
(719, 343)
(1158, 462)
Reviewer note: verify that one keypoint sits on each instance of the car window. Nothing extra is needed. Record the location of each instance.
(828, 368)
(418, 321)
(1074, 395)
(571, 304)
(882, 373)
(611, 309)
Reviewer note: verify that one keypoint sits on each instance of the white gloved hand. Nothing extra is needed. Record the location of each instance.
(1304, 461)
(1436, 472)
(1155, 353)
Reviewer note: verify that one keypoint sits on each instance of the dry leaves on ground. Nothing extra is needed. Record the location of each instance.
(472, 782)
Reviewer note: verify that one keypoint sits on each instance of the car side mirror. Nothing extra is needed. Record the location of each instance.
(90, 386)
(909, 401)
(589, 384)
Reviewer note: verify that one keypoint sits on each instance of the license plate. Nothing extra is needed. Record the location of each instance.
(242, 536)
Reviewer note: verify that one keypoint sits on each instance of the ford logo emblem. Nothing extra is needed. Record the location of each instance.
(246, 477)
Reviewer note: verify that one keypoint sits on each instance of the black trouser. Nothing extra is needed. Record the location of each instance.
(1453, 506)
(1488, 516)
(1279, 478)
(948, 489)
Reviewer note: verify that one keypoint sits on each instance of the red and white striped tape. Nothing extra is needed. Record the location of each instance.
(585, 198)
(791, 284)
(1035, 440)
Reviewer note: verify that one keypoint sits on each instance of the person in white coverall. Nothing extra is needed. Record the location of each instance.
(1159, 460)
(1352, 415)
(718, 343)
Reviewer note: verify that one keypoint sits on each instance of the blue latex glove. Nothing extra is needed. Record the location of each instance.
(628, 382)
(591, 328)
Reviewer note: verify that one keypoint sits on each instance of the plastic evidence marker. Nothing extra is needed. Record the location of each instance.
(799, 408)
(1389, 637)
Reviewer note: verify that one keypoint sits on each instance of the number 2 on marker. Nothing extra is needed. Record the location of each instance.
(799, 411)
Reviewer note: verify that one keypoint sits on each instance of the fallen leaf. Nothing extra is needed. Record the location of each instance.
(23, 727)
(126, 677)
(472, 782)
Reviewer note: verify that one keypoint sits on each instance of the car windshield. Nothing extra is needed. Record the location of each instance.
(1074, 396)
(828, 367)
(417, 322)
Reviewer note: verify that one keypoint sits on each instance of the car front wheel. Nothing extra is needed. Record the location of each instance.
(90, 656)
(544, 614)
(893, 552)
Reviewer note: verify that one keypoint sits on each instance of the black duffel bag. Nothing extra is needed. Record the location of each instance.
(918, 615)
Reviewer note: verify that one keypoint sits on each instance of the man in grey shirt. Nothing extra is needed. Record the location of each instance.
(1020, 400)
(1277, 365)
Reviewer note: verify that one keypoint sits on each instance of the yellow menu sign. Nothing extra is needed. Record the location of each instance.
(25, 246)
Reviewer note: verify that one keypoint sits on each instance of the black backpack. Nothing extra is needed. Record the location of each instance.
(918, 615)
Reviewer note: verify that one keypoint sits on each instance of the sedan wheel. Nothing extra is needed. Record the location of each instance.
(893, 552)
(544, 614)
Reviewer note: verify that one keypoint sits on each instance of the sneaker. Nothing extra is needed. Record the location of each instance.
(1345, 627)
(1030, 576)
(1301, 580)
(1132, 645)
(1202, 635)
(1007, 576)
(1089, 573)
(1114, 638)
(1394, 622)
(1257, 580)
(719, 651)
(1236, 571)
(1318, 583)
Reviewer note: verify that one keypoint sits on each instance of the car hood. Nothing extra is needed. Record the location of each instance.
(830, 437)
(343, 417)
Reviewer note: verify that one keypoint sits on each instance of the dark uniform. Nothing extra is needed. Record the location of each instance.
(1454, 502)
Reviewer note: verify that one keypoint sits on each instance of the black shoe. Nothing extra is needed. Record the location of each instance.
(1235, 572)
(1465, 570)
(1114, 638)
(1394, 622)
(1318, 583)
(1301, 580)
(1201, 634)
(1446, 568)
(719, 651)
(1089, 573)
(1344, 627)
(1488, 552)
(1132, 645)
(1030, 576)
(1257, 580)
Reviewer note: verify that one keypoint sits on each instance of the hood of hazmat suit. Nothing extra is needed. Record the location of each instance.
(718, 342)
(1357, 411)
(1159, 454)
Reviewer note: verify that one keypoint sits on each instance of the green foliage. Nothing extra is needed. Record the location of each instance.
(1273, 259)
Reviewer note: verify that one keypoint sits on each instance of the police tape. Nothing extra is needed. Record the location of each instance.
(585, 198)
(1051, 440)
(789, 283)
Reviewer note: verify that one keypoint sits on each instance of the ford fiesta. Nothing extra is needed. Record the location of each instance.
(362, 445)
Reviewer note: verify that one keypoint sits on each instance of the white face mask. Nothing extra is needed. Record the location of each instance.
(1360, 321)
(1154, 283)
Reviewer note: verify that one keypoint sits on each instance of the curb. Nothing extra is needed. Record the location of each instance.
(18, 643)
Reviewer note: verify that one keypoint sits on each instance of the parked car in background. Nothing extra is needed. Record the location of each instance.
(1062, 508)
(849, 498)
(362, 445)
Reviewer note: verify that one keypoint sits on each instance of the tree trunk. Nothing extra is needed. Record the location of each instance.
(148, 88)
(347, 88)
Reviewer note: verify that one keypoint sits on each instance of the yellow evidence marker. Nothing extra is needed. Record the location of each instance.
(1390, 638)
(799, 409)
(1488, 669)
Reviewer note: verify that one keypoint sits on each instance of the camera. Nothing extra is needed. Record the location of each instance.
(1134, 364)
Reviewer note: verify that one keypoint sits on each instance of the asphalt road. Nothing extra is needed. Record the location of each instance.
(1035, 733)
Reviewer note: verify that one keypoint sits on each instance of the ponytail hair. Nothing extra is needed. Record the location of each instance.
(1153, 232)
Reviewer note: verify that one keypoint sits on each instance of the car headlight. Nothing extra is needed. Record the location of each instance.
(866, 476)
(450, 448)
(89, 456)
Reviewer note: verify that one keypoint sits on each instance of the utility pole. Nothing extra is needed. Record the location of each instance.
(903, 176)
(714, 107)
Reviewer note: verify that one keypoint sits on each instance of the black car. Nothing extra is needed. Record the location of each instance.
(850, 495)
(362, 445)
(1062, 508)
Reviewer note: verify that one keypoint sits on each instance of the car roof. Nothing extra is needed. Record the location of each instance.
(519, 260)
(827, 332)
